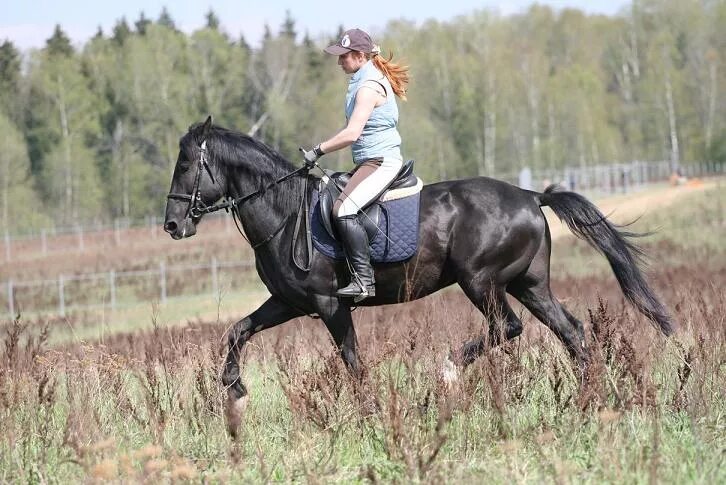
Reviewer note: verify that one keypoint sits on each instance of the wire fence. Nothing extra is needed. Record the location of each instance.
(116, 289)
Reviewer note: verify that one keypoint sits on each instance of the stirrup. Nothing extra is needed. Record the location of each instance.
(367, 292)
(356, 291)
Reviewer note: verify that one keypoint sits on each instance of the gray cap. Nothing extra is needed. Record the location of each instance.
(352, 40)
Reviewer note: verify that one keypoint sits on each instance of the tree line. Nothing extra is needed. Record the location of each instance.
(92, 132)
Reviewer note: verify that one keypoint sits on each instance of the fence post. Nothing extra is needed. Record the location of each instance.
(11, 303)
(112, 288)
(152, 223)
(162, 281)
(215, 278)
(7, 246)
(61, 297)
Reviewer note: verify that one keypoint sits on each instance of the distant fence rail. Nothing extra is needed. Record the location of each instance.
(116, 289)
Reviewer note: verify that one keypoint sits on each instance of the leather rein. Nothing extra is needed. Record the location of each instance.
(197, 208)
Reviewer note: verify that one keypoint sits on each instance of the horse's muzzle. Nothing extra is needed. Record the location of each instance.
(187, 228)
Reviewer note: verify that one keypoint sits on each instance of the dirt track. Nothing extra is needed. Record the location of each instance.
(627, 207)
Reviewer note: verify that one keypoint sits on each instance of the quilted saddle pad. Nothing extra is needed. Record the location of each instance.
(397, 237)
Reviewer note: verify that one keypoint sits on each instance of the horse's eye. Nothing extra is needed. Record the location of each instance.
(183, 165)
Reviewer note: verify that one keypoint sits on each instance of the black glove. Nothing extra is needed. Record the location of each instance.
(311, 156)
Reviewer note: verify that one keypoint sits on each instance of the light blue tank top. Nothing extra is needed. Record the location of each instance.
(379, 137)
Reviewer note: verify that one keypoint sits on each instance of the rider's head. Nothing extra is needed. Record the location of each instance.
(353, 49)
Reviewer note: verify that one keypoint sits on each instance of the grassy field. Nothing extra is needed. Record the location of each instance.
(147, 406)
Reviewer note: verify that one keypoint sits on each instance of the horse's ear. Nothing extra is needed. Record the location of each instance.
(207, 127)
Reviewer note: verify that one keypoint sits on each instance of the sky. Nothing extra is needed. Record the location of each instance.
(28, 23)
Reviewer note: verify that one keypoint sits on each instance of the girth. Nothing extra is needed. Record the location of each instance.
(330, 191)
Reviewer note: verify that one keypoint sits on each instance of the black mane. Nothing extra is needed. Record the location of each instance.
(247, 157)
(232, 146)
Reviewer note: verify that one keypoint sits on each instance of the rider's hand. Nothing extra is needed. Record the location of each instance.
(312, 155)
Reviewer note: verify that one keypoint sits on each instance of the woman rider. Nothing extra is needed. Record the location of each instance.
(372, 114)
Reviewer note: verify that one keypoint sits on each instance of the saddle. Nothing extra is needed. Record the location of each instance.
(331, 186)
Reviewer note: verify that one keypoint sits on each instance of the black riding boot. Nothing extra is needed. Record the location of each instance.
(354, 239)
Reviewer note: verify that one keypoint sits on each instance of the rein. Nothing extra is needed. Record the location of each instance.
(197, 208)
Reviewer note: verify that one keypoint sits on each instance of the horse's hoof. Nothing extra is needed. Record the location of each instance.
(234, 410)
(449, 372)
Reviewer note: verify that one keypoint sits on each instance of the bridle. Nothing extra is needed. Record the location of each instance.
(197, 208)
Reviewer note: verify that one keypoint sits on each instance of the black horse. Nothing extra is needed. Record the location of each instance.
(488, 236)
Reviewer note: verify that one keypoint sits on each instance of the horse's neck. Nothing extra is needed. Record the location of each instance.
(262, 215)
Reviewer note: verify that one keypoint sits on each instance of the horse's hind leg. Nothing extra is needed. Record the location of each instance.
(504, 324)
(532, 289)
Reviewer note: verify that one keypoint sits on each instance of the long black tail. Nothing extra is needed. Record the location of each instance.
(588, 223)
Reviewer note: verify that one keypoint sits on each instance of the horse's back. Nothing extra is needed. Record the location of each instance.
(490, 225)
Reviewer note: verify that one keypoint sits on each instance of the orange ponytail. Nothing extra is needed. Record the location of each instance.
(397, 75)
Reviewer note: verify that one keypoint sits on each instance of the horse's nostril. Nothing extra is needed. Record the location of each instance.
(170, 227)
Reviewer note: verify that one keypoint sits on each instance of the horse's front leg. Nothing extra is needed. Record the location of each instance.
(271, 313)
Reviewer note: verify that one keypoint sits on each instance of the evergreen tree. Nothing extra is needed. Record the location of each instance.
(242, 43)
(142, 24)
(9, 77)
(165, 19)
(314, 55)
(287, 29)
(59, 44)
(121, 31)
(212, 20)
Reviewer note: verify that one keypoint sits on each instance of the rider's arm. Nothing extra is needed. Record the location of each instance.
(365, 101)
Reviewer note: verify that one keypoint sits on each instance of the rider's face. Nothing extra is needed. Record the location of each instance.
(351, 61)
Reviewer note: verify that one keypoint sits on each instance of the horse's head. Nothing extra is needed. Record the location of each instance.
(193, 185)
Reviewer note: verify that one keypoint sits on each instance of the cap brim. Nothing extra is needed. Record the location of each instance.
(336, 50)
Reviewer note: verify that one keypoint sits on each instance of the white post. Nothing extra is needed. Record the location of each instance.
(11, 303)
(61, 297)
(112, 288)
(43, 242)
(7, 246)
(81, 245)
(227, 224)
(153, 227)
(215, 278)
(162, 281)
